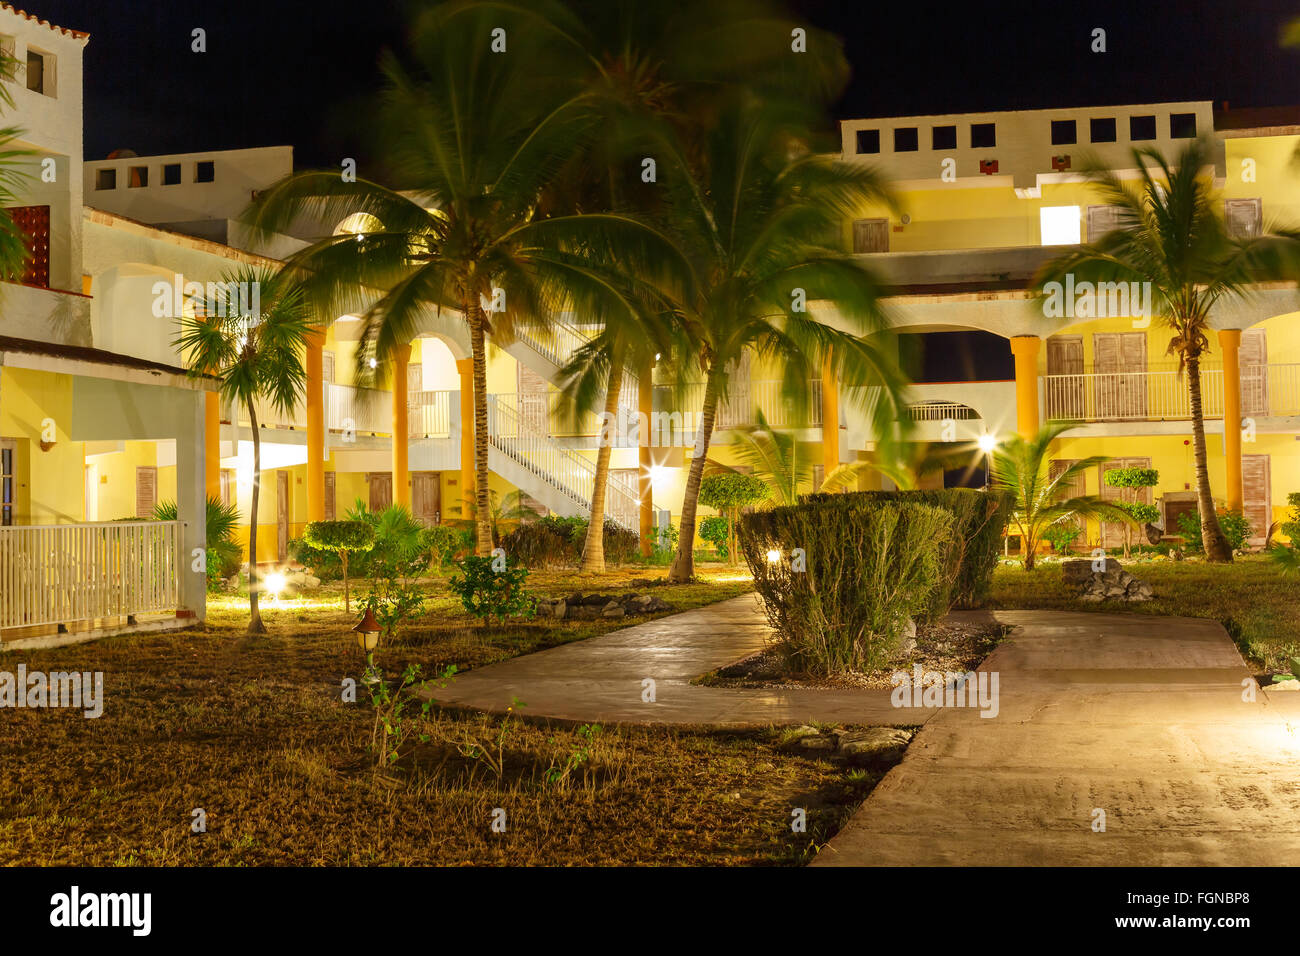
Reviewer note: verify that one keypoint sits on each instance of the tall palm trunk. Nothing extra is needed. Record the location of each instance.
(683, 568)
(482, 505)
(593, 552)
(1216, 545)
(255, 625)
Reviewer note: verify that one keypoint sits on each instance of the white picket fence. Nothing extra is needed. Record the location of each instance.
(57, 574)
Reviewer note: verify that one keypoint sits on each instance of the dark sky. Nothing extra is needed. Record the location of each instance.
(280, 71)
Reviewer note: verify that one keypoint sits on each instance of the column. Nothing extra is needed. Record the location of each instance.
(191, 439)
(1025, 350)
(645, 486)
(315, 426)
(212, 445)
(465, 368)
(1230, 342)
(401, 428)
(830, 419)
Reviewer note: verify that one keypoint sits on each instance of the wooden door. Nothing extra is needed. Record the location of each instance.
(1112, 532)
(1101, 220)
(534, 403)
(1177, 504)
(1257, 493)
(330, 511)
(426, 496)
(1253, 357)
(1066, 398)
(870, 235)
(381, 490)
(146, 490)
(227, 486)
(1120, 359)
(281, 515)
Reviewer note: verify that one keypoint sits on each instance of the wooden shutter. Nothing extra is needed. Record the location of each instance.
(1101, 220)
(1073, 488)
(414, 410)
(1066, 398)
(871, 235)
(225, 486)
(34, 224)
(1256, 495)
(534, 402)
(146, 491)
(329, 496)
(1106, 365)
(1254, 372)
(1133, 384)
(1244, 217)
(281, 515)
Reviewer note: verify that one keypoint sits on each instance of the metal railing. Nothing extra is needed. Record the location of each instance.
(56, 574)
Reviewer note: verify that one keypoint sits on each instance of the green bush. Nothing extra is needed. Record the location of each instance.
(970, 554)
(1235, 525)
(552, 541)
(868, 566)
(717, 531)
(620, 544)
(445, 542)
(663, 544)
(1061, 535)
(1291, 528)
(489, 593)
(326, 565)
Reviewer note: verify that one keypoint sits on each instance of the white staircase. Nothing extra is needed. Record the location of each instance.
(558, 477)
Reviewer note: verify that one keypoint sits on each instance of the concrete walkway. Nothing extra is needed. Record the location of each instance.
(1140, 717)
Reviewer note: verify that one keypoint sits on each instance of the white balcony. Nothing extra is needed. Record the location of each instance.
(1153, 396)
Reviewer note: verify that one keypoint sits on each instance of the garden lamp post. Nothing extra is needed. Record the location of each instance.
(367, 632)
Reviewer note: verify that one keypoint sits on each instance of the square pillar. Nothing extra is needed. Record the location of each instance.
(1230, 342)
(315, 368)
(830, 419)
(191, 509)
(401, 428)
(465, 369)
(212, 444)
(1025, 350)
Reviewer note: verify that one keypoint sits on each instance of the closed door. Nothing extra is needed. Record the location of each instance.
(1253, 357)
(146, 491)
(1175, 506)
(281, 515)
(1101, 220)
(1066, 398)
(381, 490)
(1257, 491)
(1112, 532)
(871, 235)
(426, 496)
(1120, 360)
(329, 496)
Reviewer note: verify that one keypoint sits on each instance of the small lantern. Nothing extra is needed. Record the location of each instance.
(368, 631)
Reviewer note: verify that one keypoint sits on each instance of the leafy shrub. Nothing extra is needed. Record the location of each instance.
(1061, 535)
(717, 531)
(326, 565)
(869, 565)
(729, 492)
(1235, 525)
(340, 537)
(488, 593)
(444, 542)
(1291, 528)
(971, 552)
(620, 544)
(400, 552)
(224, 555)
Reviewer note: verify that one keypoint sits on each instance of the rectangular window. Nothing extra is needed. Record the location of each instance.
(943, 137)
(106, 179)
(1063, 133)
(1059, 225)
(1101, 220)
(35, 71)
(137, 177)
(1141, 128)
(171, 174)
(1244, 217)
(1102, 130)
(905, 140)
(205, 171)
(1182, 125)
(983, 135)
(871, 235)
(868, 141)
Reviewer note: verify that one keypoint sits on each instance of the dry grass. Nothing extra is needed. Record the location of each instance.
(256, 734)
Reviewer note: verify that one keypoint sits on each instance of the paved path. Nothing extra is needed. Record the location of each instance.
(600, 679)
(1139, 716)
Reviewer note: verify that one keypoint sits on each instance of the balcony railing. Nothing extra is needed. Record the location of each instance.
(429, 414)
(745, 399)
(940, 411)
(57, 574)
(1266, 390)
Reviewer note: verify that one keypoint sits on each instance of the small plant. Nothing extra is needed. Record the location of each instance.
(340, 537)
(1132, 482)
(717, 531)
(1062, 535)
(729, 492)
(1236, 528)
(493, 587)
(394, 725)
(663, 543)
(1291, 527)
(579, 755)
(492, 752)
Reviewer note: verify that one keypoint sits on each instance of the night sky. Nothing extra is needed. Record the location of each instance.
(292, 72)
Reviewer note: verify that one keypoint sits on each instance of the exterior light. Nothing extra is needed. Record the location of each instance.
(657, 356)
(275, 583)
(773, 556)
(367, 632)
(987, 443)
(374, 363)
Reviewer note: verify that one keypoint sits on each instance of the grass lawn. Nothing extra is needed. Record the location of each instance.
(1257, 604)
(255, 733)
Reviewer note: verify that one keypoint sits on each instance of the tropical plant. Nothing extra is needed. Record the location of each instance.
(1170, 234)
(729, 492)
(759, 216)
(220, 521)
(250, 336)
(1236, 529)
(473, 138)
(1133, 482)
(1039, 500)
(341, 537)
(1291, 527)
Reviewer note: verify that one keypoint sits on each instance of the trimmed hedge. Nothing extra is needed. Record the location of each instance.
(979, 520)
(868, 566)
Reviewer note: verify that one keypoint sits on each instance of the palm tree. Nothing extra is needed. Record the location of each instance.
(473, 138)
(1169, 233)
(255, 352)
(759, 217)
(1021, 471)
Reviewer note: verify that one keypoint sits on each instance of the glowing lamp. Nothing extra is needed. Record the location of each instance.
(367, 631)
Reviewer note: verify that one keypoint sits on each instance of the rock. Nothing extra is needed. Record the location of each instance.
(559, 609)
(817, 743)
(873, 745)
(613, 609)
(311, 582)
(1079, 570)
(1284, 685)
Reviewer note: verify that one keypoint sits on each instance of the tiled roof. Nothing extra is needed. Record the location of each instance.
(76, 34)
